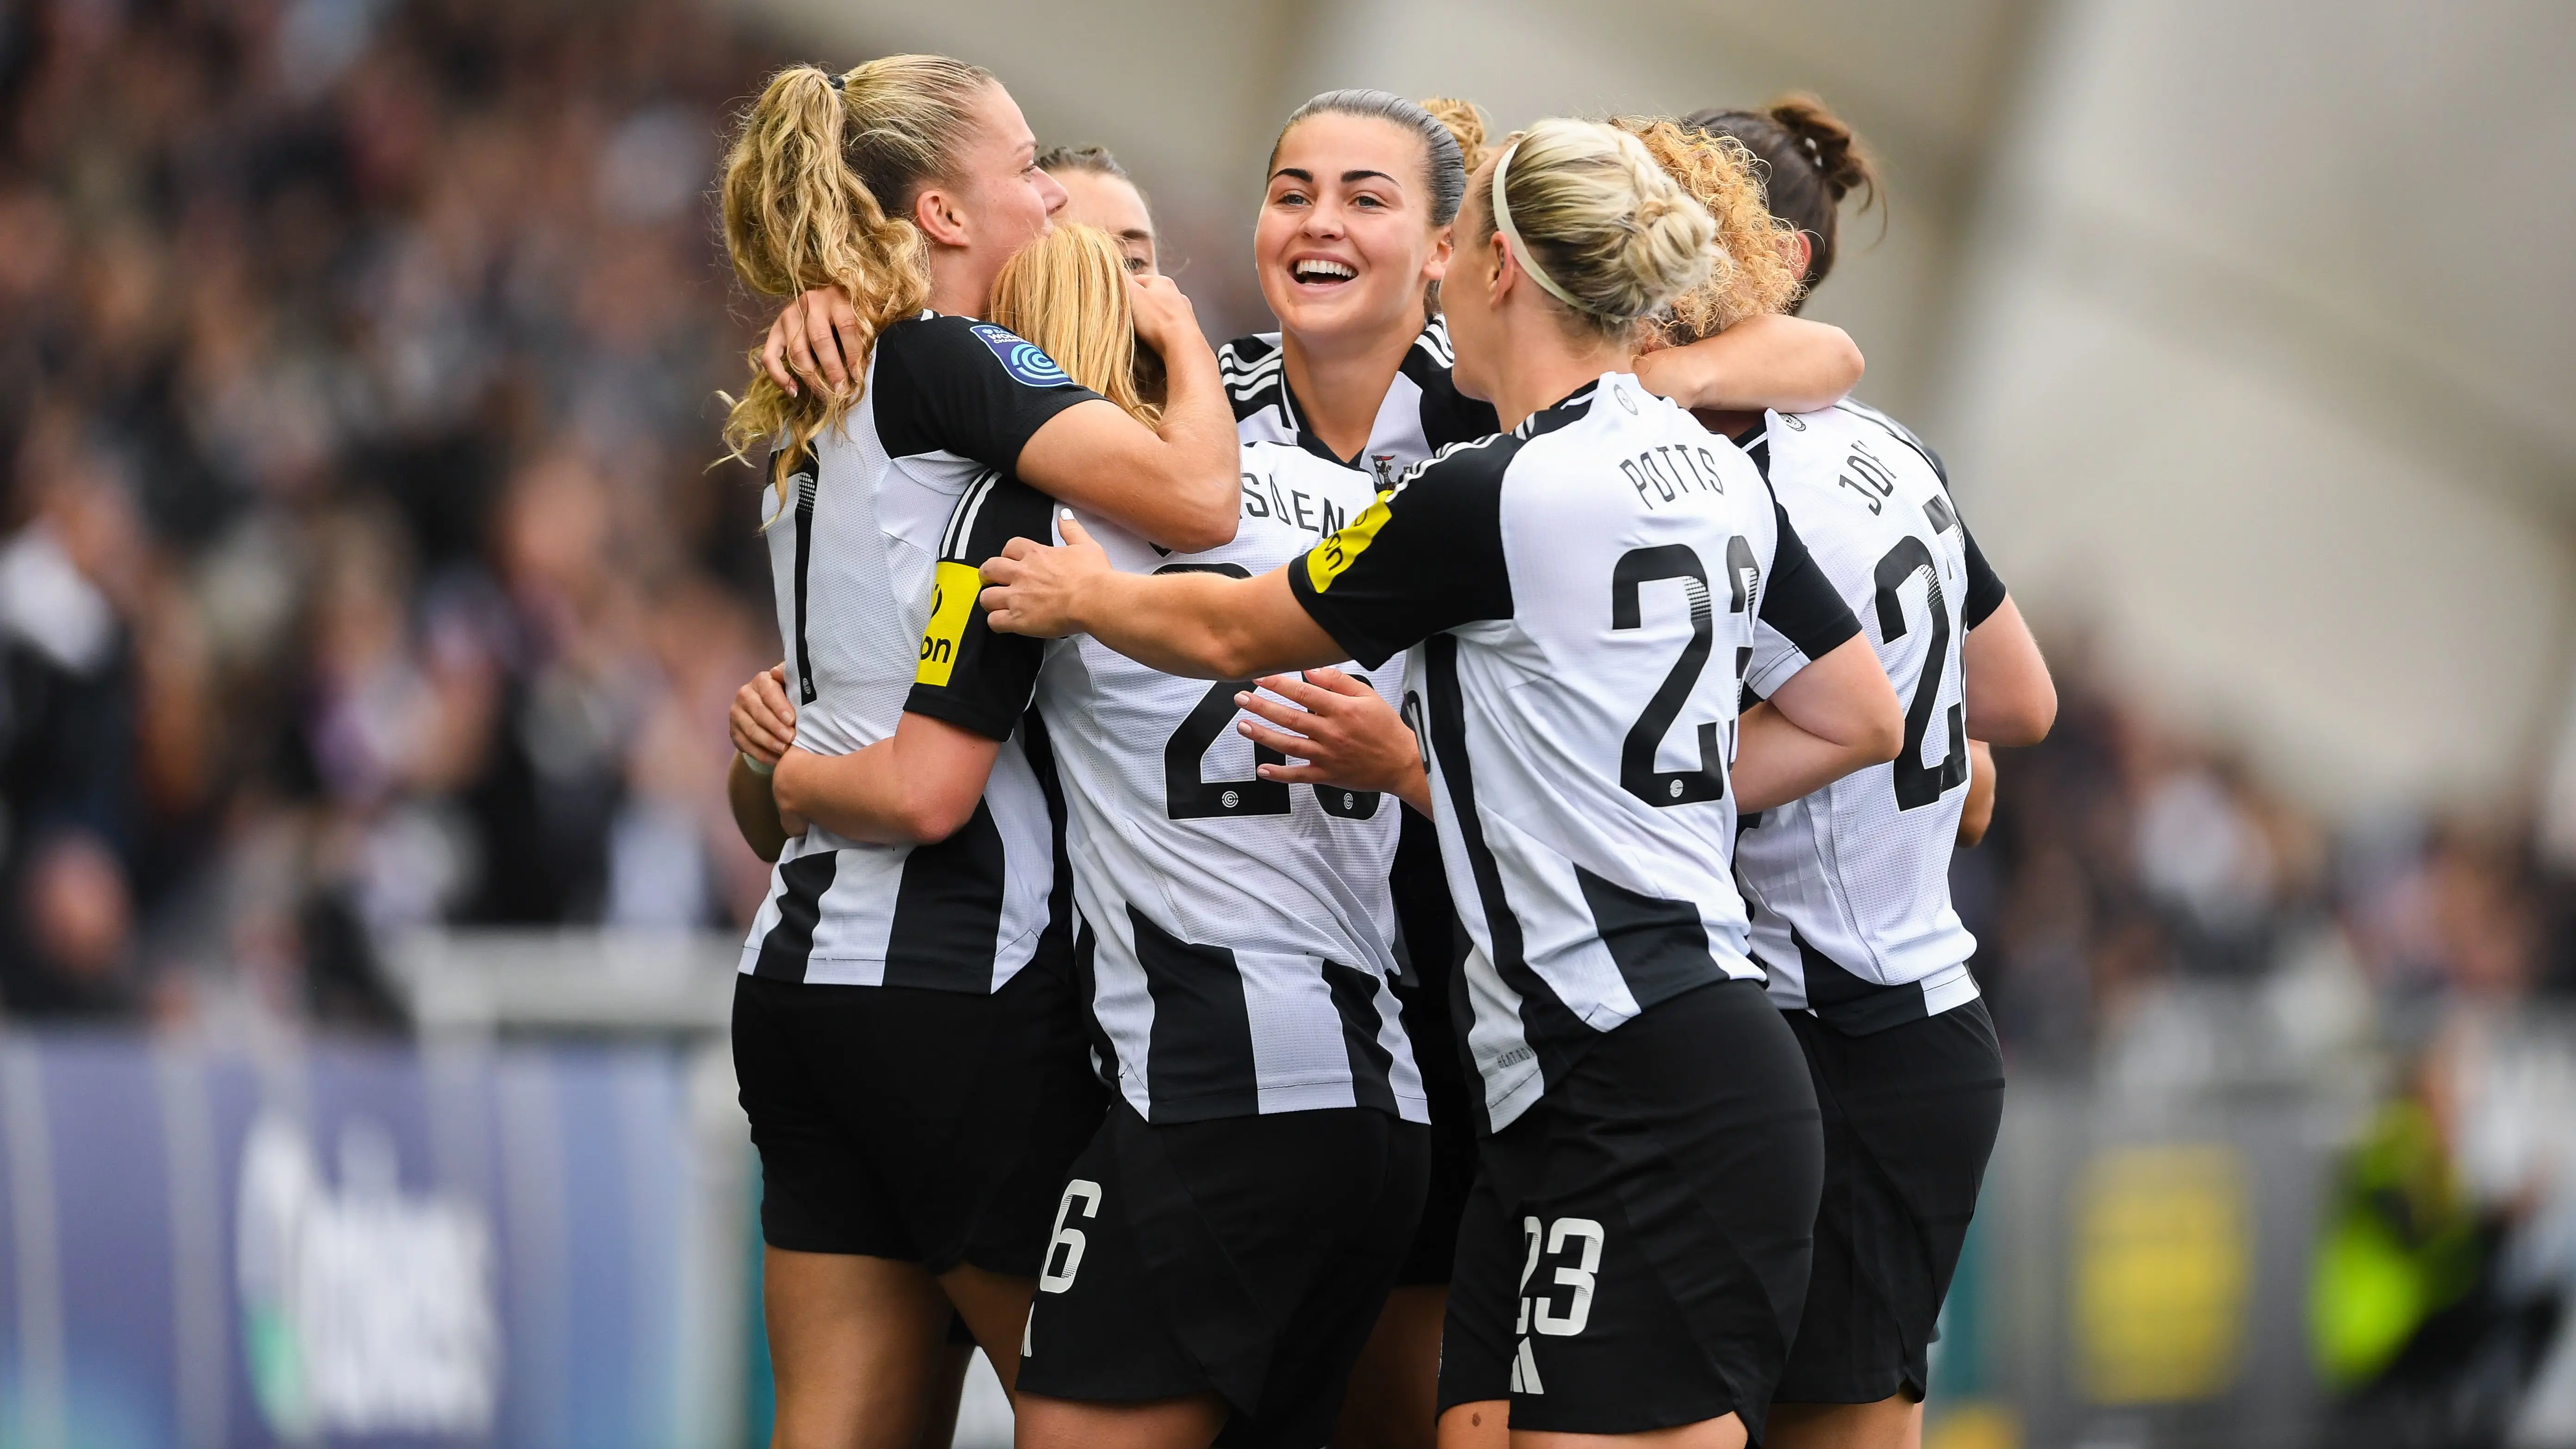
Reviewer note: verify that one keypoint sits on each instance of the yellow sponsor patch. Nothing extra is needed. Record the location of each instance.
(1327, 560)
(952, 603)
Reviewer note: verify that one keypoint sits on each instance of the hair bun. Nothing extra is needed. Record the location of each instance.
(1464, 123)
(1839, 159)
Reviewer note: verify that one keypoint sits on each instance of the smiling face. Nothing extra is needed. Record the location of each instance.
(1345, 244)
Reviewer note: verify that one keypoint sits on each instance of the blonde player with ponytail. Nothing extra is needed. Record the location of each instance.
(1583, 595)
(906, 1032)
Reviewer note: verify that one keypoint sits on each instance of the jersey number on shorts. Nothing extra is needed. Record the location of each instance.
(1188, 796)
(1635, 569)
(1538, 1310)
(1917, 785)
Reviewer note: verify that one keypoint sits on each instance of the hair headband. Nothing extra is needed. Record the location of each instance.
(1512, 236)
(839, 81)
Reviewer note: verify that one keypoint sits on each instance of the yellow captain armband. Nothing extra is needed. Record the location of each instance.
(1327, 560)
(952, 603)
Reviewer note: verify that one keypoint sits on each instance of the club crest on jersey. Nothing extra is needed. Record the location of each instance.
(1022, 359)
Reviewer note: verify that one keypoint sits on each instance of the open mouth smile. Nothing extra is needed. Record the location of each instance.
(1320, 271)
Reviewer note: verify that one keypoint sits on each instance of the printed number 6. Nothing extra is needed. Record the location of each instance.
(1578, 1311)
(1070, 1239)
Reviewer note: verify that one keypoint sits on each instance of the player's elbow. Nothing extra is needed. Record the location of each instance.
(1877, 728)
(932, 812)
(1839, 365)
(1205, 525)
(2017, 717)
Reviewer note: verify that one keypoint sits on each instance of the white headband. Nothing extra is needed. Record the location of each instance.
(1512, 235)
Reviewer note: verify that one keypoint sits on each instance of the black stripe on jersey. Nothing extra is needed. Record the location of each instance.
(1355, 997)
(1086, 989)
(804, 562)
(1040, 750)
(1551, 1030)
(948, 910)
(784, 950)
(1660, 946)
(1850, 1004)
(1198, 1058)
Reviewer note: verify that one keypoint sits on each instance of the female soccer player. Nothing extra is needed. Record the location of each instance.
(903, 1028)
(1635, 1246)
(1850, 886)
(1223, 1245)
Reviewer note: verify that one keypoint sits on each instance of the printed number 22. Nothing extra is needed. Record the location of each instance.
(1635, 569)
(1916, 784)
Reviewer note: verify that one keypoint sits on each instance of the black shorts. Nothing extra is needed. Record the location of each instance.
(1635, 1249)
(898, 1122)
(1910, 1119)
(1435, 948)
(1248, 1256)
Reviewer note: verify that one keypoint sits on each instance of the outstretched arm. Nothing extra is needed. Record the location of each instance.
(1199, 626)
(1771, 361)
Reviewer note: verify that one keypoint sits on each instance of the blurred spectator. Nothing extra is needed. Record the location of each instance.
(362, 569)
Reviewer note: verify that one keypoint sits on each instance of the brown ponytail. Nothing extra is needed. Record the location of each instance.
(816, 189)
(1811, 162)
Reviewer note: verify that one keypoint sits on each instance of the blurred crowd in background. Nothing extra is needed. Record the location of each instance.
(363, 565)
(365, 568)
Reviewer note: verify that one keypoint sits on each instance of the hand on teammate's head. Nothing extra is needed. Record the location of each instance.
(1163, 313)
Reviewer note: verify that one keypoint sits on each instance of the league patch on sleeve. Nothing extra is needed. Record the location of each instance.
(1022, 359)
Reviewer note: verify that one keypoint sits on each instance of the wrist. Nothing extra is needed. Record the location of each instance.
(754, 764)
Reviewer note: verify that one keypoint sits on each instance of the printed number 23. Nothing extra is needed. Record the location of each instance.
(1635, 569)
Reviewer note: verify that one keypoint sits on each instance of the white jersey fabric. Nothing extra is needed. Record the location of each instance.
(1851, 885)
(1588, 592)
(1423, 411)
(853, 548)
(1237, 932)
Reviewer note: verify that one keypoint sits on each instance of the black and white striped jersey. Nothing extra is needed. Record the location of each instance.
(1237, 932)
(853, 553)
(1422, 413)
(1588, 593)
(1850, 886)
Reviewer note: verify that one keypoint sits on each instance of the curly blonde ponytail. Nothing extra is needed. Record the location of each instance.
(821, 171)
(1753, 274)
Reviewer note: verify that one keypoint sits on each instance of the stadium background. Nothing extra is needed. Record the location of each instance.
(369, 614)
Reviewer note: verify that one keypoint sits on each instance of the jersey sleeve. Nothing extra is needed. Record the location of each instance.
(1426, 556)
(969, 675)
(956, 385)
(1803, 619)
(1985, 589)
